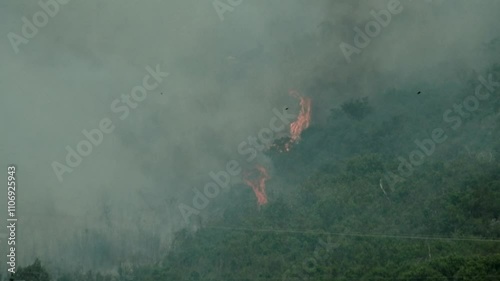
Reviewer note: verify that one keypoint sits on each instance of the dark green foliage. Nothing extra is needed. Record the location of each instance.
(433, 225)
(34, 272)
(474, 268)
(357, 108)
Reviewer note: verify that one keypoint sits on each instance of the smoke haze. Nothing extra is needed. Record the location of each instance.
(225, 78)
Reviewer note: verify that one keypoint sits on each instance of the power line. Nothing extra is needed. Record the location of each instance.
(315, 232)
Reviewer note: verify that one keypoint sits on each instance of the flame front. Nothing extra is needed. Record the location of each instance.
(303, 119)
(259, 185)
(296, 127)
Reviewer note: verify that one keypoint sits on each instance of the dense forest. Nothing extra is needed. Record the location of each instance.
(339, 209)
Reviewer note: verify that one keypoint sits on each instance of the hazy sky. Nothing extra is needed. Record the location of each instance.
(225, 78)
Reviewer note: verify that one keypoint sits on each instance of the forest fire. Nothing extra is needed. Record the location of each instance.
(296, 127)
(303, 119)
(259, 184)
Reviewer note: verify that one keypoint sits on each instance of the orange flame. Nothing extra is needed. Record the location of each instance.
(303, 119)
(259, 185)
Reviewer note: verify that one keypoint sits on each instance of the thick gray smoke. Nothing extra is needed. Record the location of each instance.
(227, 72)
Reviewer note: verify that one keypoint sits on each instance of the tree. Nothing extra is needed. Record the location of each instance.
(34, 272)
(357, 108)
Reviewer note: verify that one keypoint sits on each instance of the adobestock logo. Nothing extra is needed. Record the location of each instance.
(310, 265)
(456, 116)
(221, 7)
(372, 29)
(39, 20)
(222, 179)
(121, 106)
